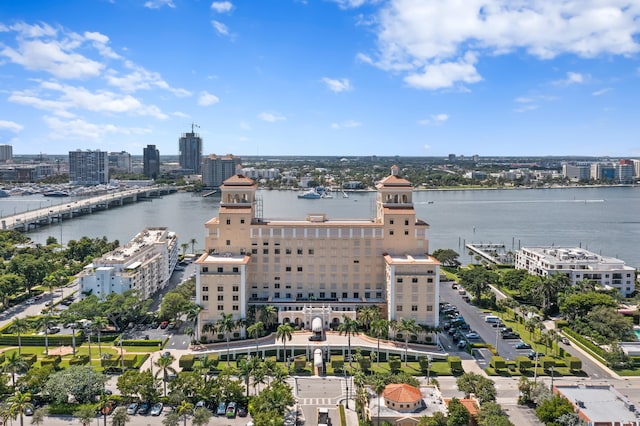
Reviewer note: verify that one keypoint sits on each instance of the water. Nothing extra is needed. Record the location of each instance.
(603, 220)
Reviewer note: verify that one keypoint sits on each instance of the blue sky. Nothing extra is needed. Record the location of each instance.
(322, 77)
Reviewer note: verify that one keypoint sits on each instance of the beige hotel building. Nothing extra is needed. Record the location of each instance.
(317, 268)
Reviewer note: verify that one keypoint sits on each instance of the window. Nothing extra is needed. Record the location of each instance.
(235, 308)
(367, 295)
(235, 298)
(205, 297)
(391, 232)
(356, 295)
(406, 232)
(288, 296)
(220, 288)
(205, 269)
(265, 251)
(429, 308)
(235, 269)
(276, 295)
(414, 308)
(379, 295)
(344, 295)
(391, 222)
(429, 280)
(414, 280)
(276, 251)
(228, 221)
(299, 268)
(241, 220)
(205, 288)
(277, 285)
(221, 307)
(276, 278)
(406, 222)
(334, 295)
(321, 295)
(399, 280)
(288, 269)
(254, 251)
(310, 252)
(235, 288)
(220, 269)
(228, 242)
(220, 298)
(299, 296)
(287, 251)
(300, 251)
(399, 308)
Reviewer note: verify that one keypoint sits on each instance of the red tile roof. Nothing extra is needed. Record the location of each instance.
(401, 393)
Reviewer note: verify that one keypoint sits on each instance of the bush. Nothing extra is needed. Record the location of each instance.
(299, 364)
(53, 360)
(574, 363)
(523, 363)
(547, 362)
(455, 364)
(29, 358)
(186, 362)
(337, 364)
(79, 360)
(394, 365)
(498, 363)
(365, 364)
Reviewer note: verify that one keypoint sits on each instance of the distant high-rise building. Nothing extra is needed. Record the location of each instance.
(120, 162)
(215, 170)
(6, 152)
(190, 146)
(576, 171)
(151, 160)
(452, 158)
(88, 167)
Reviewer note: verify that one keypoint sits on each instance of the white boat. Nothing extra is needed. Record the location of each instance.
(345, 195)
(310, 195)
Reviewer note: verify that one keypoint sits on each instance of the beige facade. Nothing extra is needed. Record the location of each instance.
(318, 265)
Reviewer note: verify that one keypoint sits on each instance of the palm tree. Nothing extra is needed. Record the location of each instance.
(193, 313)
(164, 365)
(85, 414)
(201, 416)
(204, 365)
(407, 327)
(378, 328)
(19, 326)
(98, 324)
(378, 388)
(184, 247)
(104, 404)
(270, 315)
(6, 413)
(255, 330)
(184, 409)
(15, 364)
(19, 403)
(42, 323)
(40, 416)
(120, 417)
(259, 377)
(349, 327)
(367, 315)
(193, 242)
(226, 325)
(284, 333)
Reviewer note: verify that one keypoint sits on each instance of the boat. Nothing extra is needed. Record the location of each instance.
(311, 194)
(56, 194)
(326, 195)
(4, 193)
(345, 195)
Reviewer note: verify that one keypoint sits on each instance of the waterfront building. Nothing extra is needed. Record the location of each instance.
(120, 162)
(600, 405)
(88, 167)
(268, 174)
(625, 172)
(317, 267)
(6, 153)
(578, 264)
(576, 171)
(151, 162)
(144, 264)
(215, 169)
(190, 148)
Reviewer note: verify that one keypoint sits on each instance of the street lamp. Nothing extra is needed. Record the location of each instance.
(346, 381)
(429, 369)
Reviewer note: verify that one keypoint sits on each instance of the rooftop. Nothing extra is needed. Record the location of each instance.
(599, 403)
(401, 393)
(147, 238)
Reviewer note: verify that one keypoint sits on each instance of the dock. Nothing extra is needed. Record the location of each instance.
(493, 253)
(25, 221)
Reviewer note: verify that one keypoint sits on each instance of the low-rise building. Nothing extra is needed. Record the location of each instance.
(404, 405)
(579, 265)
(600, 405)
(144, 264)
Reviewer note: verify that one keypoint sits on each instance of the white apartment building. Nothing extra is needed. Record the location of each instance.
(144, 264)
(578, 264)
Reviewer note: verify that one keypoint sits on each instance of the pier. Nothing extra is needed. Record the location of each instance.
(493, 253)
(56, 213)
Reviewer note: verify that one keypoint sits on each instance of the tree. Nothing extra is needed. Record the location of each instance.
(271, 403)
(42, 324)
(438, 419)
(226, 325)
(378, 387)
(580, 304)
(476, 280)
(10, 283)
(19, 403)
(348, 327)
(184, 247)
(367, 315)
(255, 330)
(81, 382)
(458, 413)
(85, 413)
(193, 314)
(447, 257)
(270, 313)
(407, 327)
(379, 328)
(173, 305)
(35, 378)
(550, 410)
(172, 419)
(164, 364)
(119, 417)
(193, 242)
(32, 268)
(98, 324)
(284, 333)
(15, 364)
(39, 416)
(201, 416)
(183, 410)
(19, 326)
(472, 383)
(491, 414)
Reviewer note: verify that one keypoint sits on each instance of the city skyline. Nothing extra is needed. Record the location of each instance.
(332, 77)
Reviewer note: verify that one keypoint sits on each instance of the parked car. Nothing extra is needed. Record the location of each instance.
(533, 355)
(242, 411)
(510, 335)
(565, 341)
(28, 411)
(200, 404)
(231, 410)
(462, 344)
(156, 410)
(164, 324)
(132, 409)
(523, 345)
(144, 408)
(222, 409)
(472, 335)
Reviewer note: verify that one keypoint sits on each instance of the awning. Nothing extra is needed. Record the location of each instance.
(317, 357)
(316, 325)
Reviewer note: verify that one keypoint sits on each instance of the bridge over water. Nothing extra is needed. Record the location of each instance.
(45, 216)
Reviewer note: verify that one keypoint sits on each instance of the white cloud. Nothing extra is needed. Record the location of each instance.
(349, 4)
(11, 126)
(572, 78)
(83, 130)
(348, 124)
(141, 79)
(157, 4)
(180, 114)
(271, 117)
(427, 39)
(602, 91)
(337, 85)
(435, 119)
(207, 99)
(221, 28)
(222, 6)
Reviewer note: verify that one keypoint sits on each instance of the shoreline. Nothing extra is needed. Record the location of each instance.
(488, 188)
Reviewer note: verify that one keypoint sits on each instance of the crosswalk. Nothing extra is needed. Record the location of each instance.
(317, 401)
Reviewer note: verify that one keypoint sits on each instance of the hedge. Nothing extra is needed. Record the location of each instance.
(29, 358)
(79, 360)
(53, 360)
(574, 363)
(36, 340)
(498, 363)
(547, 362)
(455, 363)
(588, 344)
(186, 362)
(299, 364)
(343, 416)
(157, 343)
(395, 364)
(337, 364)
(523, 363)
(129, 361)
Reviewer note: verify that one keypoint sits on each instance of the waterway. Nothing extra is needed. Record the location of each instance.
(604, 220)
